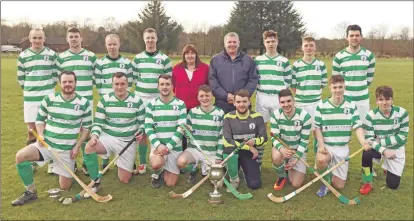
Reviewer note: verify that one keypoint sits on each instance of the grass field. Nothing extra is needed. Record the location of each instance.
(138, 201)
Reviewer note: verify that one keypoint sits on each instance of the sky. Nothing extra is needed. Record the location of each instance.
(320, 17)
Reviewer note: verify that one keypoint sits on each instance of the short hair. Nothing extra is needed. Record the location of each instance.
(186, 49)
(242, 93)
(336, 79)
(74, 30)
(384, 91)
(119, 75)
(231, 34)
(37, 29)
(204, 88)
(285, 93)
(269, 34)
(112, 36)
(149, 30)
(165, 77)
(308, 38)
(67, 73)
(353, 28)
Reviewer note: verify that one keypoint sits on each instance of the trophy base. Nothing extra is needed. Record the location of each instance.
(215, 198)
(215, 201)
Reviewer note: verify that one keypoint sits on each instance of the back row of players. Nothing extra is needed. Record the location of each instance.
(120, 114)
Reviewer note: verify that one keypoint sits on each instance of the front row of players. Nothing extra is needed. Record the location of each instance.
(120, 116)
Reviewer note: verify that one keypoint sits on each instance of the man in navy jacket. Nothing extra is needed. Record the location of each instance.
(229, 71)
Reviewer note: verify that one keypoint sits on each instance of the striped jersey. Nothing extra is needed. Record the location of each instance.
(162, 122)
(64, 119)
(274, 73)
(337, 122)
(83, 65)
(308, 79)
(391, 131)
(119, 118)
(147, 69)
(294, 131)
(36, 74)
(207, 129)
(106, 67)
(357, 70)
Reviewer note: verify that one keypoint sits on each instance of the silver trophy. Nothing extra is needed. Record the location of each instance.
(216, 175)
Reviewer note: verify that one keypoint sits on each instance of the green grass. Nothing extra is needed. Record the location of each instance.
(137, 200)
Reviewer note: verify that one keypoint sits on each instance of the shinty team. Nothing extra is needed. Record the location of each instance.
(166, 97)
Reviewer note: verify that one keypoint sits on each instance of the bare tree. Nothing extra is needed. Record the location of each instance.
(110, 24)
(381, 35)
(340, 29)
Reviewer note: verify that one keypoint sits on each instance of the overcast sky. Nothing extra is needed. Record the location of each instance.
(321, 17)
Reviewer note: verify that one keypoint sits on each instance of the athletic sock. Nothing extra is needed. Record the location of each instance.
(232, 165)
(25, 172)
(142, 151)
(280, 169)
(327, 177)
(91, 162)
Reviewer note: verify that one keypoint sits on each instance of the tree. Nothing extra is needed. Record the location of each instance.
(381, 34)
(340, 29)
(250, 19)
(154, 16)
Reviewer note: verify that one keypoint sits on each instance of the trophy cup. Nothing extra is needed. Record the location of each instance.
(216, 175)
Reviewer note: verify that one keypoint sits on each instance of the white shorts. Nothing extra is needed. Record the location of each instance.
(363, 109)
(58, 168)
(30, 111)
(339, 153)
(311, 109)
(114, 145)
(199, 157)
(170, 160)
(395, 166)
(266, 104)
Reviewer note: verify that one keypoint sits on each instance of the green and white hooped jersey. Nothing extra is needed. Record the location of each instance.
(207, 129)
(162, 122)
(358, 71)
(308, 79)
(119, 118)
(337, 123)
(293, 131)
(36, 74)
(104, 70)
(274, 73)
(147, 69)
(64, 119)
(83, 65)
(392, 131)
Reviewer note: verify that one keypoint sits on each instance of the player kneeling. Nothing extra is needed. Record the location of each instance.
(243, 125)
(162, 119)
(387, 128)
(292, 125)
(59, 121)
(206, 122)
(118, 118)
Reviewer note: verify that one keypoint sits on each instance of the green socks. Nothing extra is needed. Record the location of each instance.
(190, 168)
(280, 169)
(367, 176)
(142, 151)
(327, 177)
(25, 172)
(232, 165)
(91, 162)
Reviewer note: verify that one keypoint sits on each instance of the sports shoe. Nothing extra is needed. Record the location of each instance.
(135, 171)
(365, 189)
(235, 183)
(85, 169)
(192, 178)
(95, 188)
(156, 181)
(280, 183)
(26, 197)
(323, 190)
(50, 168)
